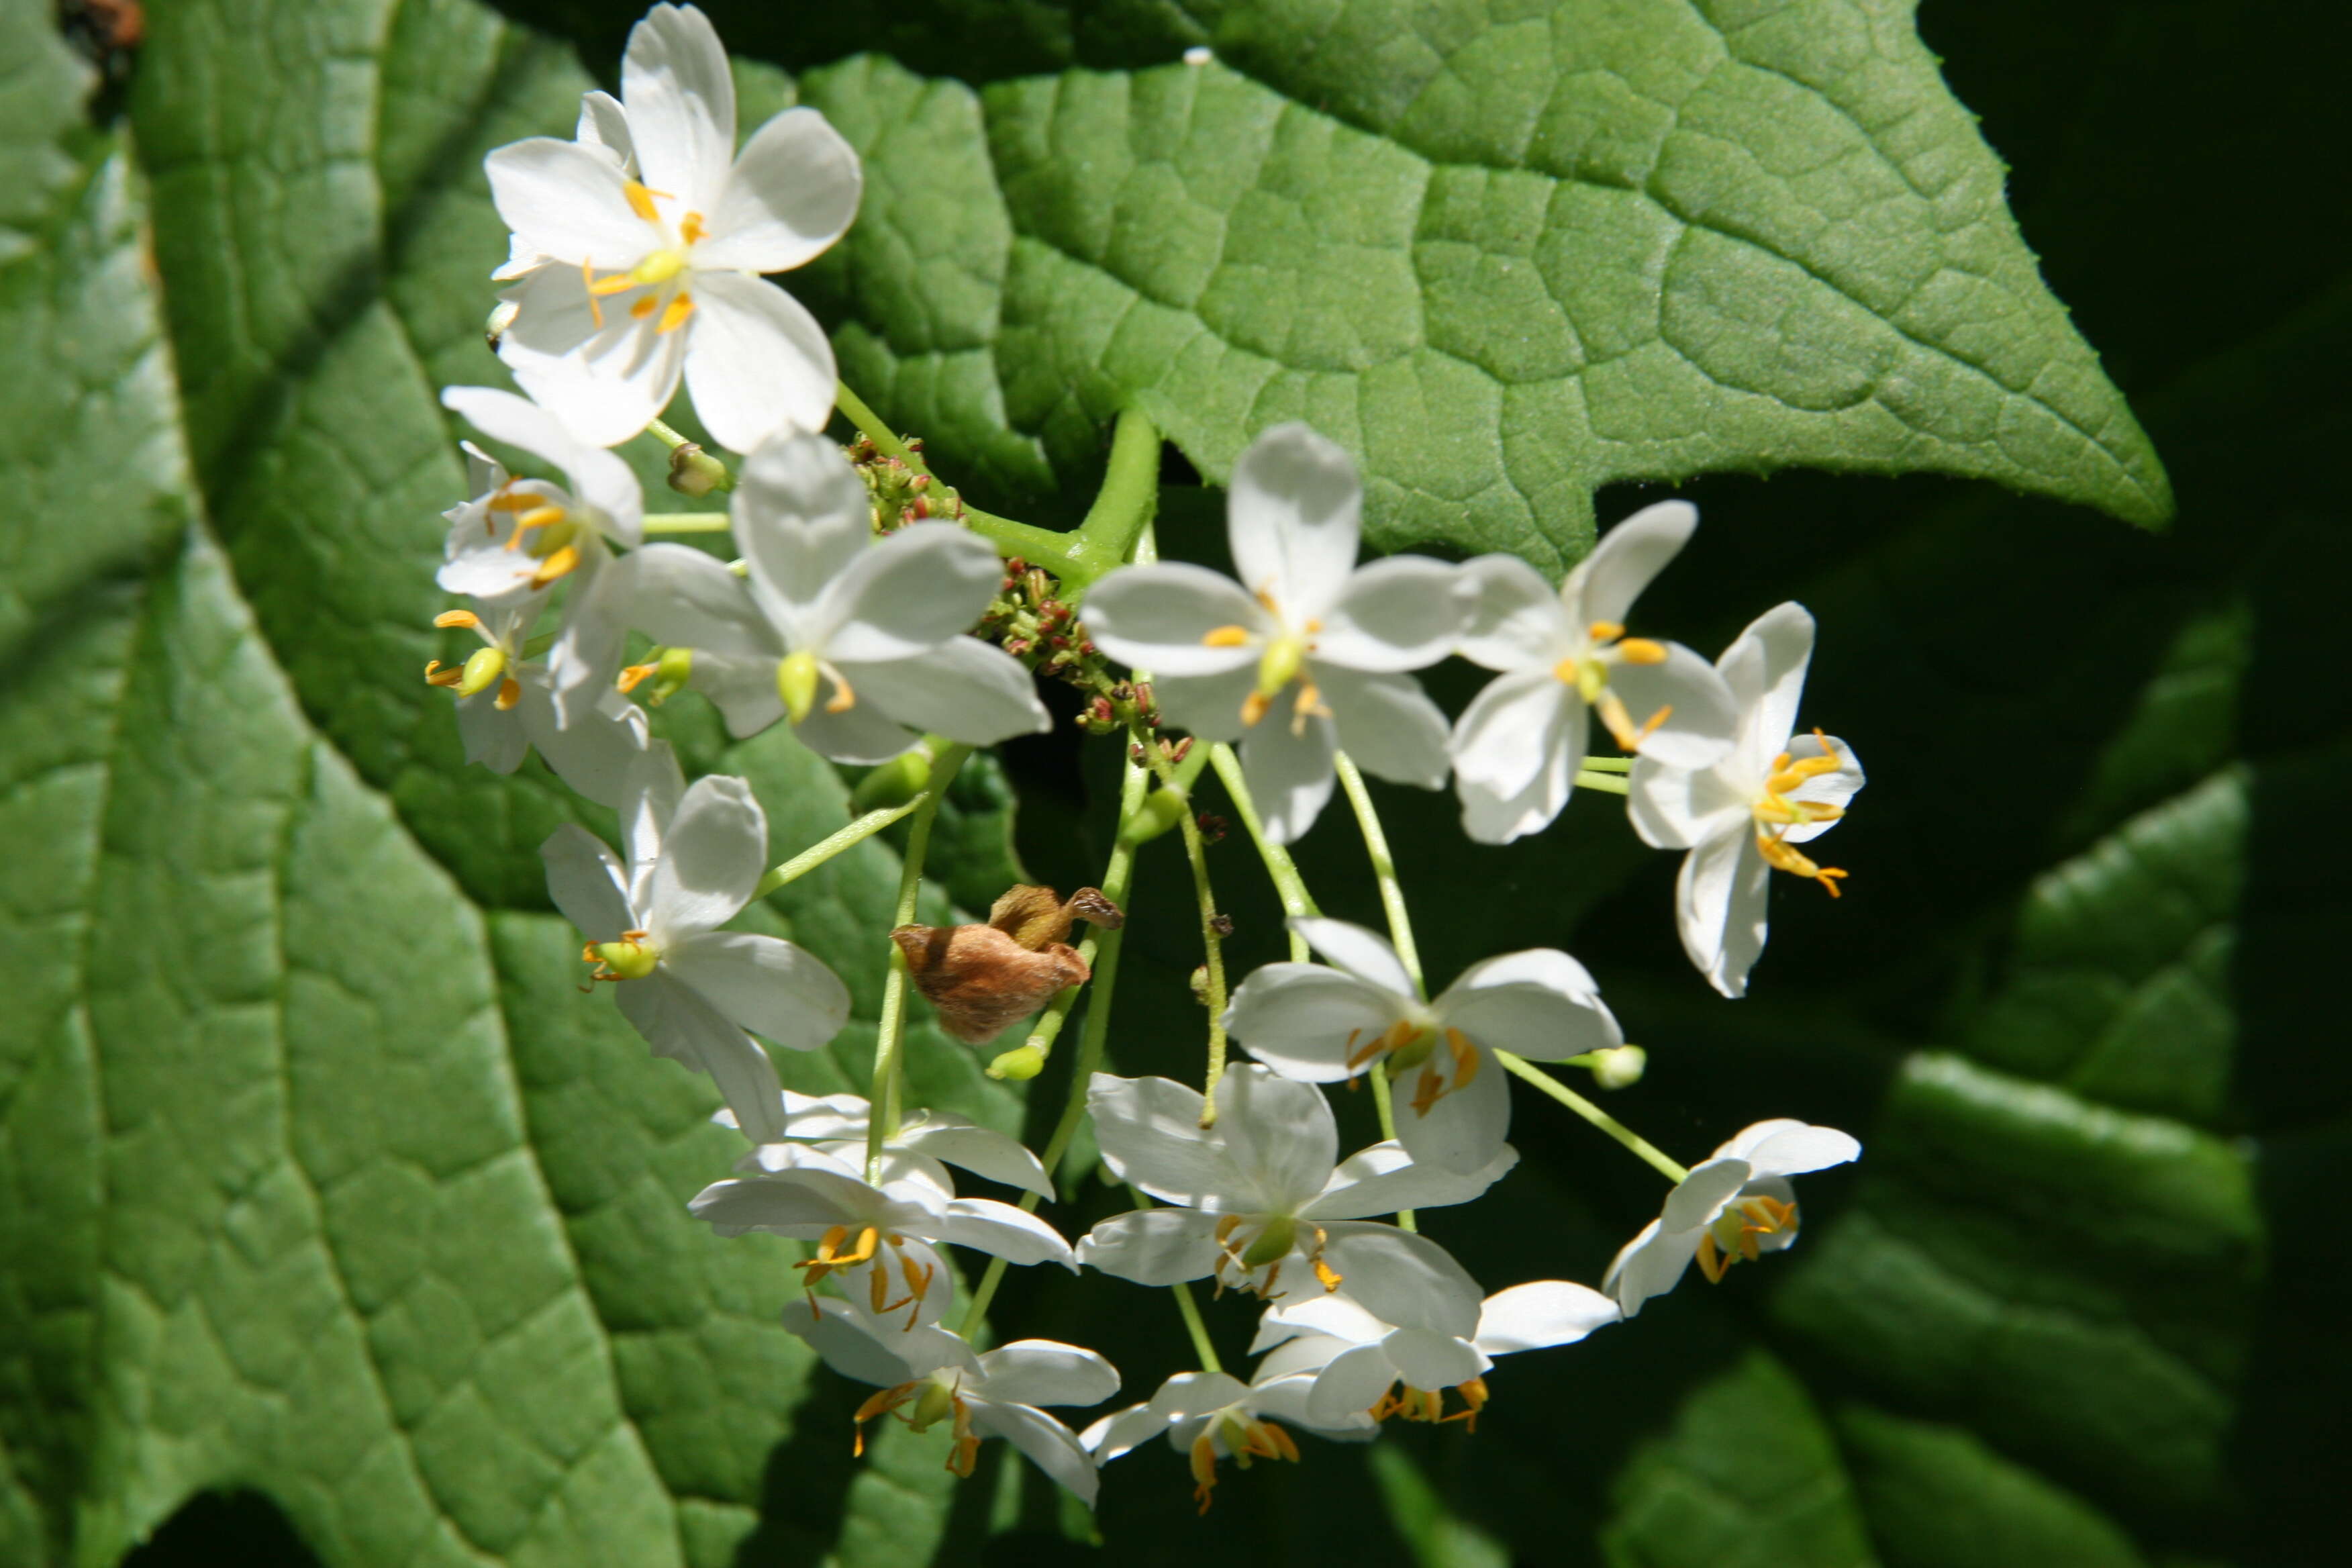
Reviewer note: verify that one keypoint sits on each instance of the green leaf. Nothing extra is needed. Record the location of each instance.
(1507, 253)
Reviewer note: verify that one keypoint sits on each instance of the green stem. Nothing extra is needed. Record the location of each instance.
(687, 523)
(1608, 765)
(1607, 783)
(833, 844)
(1289, 884)
(1129, 497)
(871, 425)
(666, 436)
(1101, 952)
(890, 1032)
(1197, 1328)
(1196, 851)
(1522, 1067)
(1376, 845)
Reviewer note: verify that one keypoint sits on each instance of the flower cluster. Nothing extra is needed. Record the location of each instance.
(851, 617)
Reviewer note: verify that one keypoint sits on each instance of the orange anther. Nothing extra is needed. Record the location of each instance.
(456, 618)
(509, 693)
(555, 567)
(1226, 636)
(1642, 651)
(641, 201)
(674, 316)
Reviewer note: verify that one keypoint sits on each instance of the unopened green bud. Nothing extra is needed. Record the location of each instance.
(628, 959)
(483, 668)
(1162, 809)
(796, 679)
(1618, 1067)
(895, 783)
(1273, 1243)
(1018, 1065)
(694, 472)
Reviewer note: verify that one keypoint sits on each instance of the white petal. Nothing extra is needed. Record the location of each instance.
(682, 598)
(493, 736)
(1293, 519)
(1388, 724)
(566, 202)
(849, 1343)
(1290, 1400)
(1279, 1135)
(758, 365)
(596, 755)
(655, 788)
(1831, 789)
(909, 592)
(1350, 1385)
(1004, 1231)
(1674, 808)
(678, 1023)
(587, 882)
(1516, 620)
(1359, 949)
(681, 105)
(1298, 1360)
(603, 482)
(979, 1149)
(1652, 1264)
(1148, 1129)
(1699, 1196)
(1463, 1127)
(714, 852)
(1543, 1023)
(1045, 1371)
(1288, 769)
(1385, 1177)
(1719, 900)
(1542, 1313)
(768, 985)
(1335, 1314)
(1122, 1433)
(744, 691)
(1050, 1446)
(860, 733)
(1606, 583)
(1153, 1247)
(1190, 1393)
(1307, 1022)
(1765, 669)
(962, 689)
(1795, 1150)
(601, 372)
(802, 519)
(1403, 1279)
(1432, 1361)
(1399, 613)
(604, 123)
(1522, 724)
(792, 193)
(1210, 706)
(1159, 618)
(1699, 719)
(586, 657)
(798, 1208)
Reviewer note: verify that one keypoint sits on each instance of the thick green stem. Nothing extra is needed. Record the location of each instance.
(834, 843)
(1289, 884)
(1129, 497)
(1522, 1067)
(1376, 845)
(1607, 783)
(687, 523)
(890, 1032)
(1101, 952)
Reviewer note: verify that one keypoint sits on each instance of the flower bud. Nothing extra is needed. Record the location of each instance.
(1618, 1067)
(1162, 809)
(895, 783)
(483, 669)
(1018, 1065)
(796, 678)
(502, 316)
(694, 472)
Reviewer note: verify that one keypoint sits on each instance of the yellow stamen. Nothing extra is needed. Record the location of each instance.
(618, 283)
(674, 316)
(1466, 1059)
(631, 676)
(514, 500)
(1309, 706)
(588, 281)
(691, 229)
(1612, 709)
(1254, 708)
(1204, 1470)
(509, 693)
(646, 306)
(1710, 1261)
(641, 201)
(555, 565)
(843, 698)
(1605, 631)
(1226, 636)
(1778, 852)
(437, 674)
(456, 618)
(1642, 651)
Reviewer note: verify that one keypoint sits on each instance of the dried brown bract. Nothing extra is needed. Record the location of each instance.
(982, 978)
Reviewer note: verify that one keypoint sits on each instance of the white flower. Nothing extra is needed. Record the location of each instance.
(554, 535)
(691, 990)
(1320, 1025)
(837, 1125)
(602, 129)
(1519, 742)
(857, 641)
(506, 702)
(648, 278)
(1744, 814)
(1738, 1204)
(1213, 1415)
(880, 1236)
(1359, 1365)
(929, 1375)
(1302, 657)
(1263, 1193)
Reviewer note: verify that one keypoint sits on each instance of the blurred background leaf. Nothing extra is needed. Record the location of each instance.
(330, 1207)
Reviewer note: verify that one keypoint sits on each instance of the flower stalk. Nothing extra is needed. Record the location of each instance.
(890, 1033)
(1520, 1066)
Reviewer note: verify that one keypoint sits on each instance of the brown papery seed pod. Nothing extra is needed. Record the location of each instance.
(982, 978)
